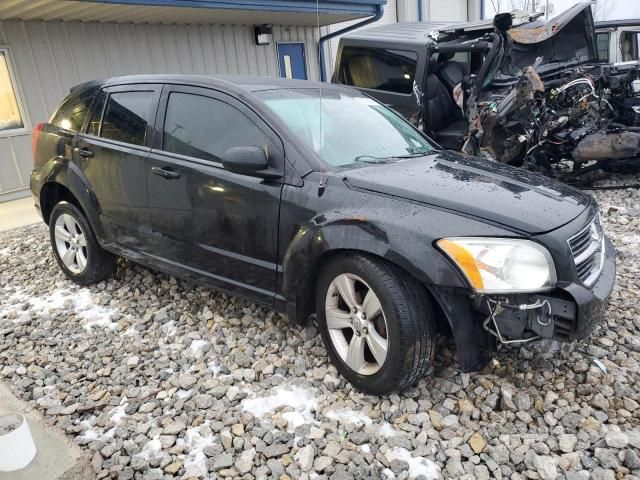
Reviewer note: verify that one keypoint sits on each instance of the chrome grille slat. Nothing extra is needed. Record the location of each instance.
(587, 248)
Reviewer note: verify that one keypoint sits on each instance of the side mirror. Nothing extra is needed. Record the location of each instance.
(248, 161)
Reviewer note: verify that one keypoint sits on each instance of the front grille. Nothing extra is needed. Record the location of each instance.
(587, 248)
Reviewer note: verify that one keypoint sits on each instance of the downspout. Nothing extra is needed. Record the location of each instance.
(329, 36)
(420, 12)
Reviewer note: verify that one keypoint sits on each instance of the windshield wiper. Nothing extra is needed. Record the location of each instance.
(372, 159)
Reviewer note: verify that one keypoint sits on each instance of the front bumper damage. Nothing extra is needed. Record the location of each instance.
(570, 312)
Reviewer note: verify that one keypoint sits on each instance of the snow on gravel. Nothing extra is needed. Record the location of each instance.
(299, 399)
(157, 378)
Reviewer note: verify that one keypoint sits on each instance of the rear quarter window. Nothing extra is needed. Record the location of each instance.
(382, 69)
(73, 111)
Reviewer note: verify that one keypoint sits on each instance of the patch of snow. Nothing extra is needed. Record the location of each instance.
(197, 347)
(118, 413)
(131, 332)
(346, 416)
(388, 473)
(182, 394)
(194, 460)
(90, 433)
(82, 303)
(295, 419)
(169, 328)
(630, 239)
(299, 399)
(417, 465)
(359, 418)
(214, 367)
(151, 450)
(386, 430)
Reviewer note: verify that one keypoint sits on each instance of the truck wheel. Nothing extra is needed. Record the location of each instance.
(75, 247)
(376, 323)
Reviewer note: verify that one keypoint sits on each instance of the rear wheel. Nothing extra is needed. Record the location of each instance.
(75, 247)
(376, 323)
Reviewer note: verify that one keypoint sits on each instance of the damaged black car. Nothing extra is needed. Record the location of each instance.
(318, 201)
(516, 89)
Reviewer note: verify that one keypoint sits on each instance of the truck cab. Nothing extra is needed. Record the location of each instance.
(618, 41)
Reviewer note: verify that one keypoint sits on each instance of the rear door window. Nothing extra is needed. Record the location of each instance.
(73, 111)
(205, 127)
(378, 69)
(126, 116)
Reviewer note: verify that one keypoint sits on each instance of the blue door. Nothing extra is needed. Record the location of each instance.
(291, 60)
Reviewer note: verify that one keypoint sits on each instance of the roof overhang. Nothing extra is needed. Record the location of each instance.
(229, 12)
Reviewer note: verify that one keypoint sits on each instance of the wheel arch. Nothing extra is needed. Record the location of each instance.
(63, 180)
(305, 295)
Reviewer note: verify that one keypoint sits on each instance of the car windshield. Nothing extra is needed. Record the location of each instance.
(345, 128)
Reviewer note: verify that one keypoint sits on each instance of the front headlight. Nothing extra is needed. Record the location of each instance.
(501, 265)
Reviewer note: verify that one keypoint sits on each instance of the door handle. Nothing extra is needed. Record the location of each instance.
(165, 173)
(84, 152)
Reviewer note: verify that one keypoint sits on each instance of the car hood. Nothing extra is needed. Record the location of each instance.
(512, 197)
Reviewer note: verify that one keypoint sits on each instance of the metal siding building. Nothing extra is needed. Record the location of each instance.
(50, 45)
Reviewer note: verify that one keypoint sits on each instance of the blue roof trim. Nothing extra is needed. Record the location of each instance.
(346, 7)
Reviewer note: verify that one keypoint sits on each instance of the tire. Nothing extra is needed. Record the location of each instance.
(405, 312)
(75, 247)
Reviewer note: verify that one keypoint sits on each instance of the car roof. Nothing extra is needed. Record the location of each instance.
(243, 82)
(618, 23)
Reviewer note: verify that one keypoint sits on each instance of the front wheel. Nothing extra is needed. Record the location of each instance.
(75, 247)
(376, 323)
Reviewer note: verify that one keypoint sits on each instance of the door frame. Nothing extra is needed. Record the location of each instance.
(304, 56)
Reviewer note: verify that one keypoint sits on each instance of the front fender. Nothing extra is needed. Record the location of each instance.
(323, 236)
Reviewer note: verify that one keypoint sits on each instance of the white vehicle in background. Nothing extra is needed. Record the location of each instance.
(618, 40)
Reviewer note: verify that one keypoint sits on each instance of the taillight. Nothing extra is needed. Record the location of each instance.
(34, 143)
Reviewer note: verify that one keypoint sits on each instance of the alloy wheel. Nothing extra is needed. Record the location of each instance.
(71, 243)
(356, 323)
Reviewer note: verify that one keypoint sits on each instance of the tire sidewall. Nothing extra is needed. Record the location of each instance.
(389, 372)
(78, 216)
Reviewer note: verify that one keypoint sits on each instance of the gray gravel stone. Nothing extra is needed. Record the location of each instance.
(148, 373)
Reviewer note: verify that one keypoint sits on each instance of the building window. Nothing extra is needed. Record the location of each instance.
(10, 114)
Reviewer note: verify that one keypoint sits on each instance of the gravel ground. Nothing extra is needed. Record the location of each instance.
(155, 378)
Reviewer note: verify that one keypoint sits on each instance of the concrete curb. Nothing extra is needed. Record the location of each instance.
(57, 458)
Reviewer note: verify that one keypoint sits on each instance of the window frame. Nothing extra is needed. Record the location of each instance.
(161, 114)
(26, 129)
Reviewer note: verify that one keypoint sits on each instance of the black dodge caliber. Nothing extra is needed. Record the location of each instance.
(319, 201)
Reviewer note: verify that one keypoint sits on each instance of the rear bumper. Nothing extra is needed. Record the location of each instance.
(34, 186)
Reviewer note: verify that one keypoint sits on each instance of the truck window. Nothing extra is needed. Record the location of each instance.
(602, 44)
(629, 46)
(378, 69)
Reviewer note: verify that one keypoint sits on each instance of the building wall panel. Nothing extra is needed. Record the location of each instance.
(50, 57)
